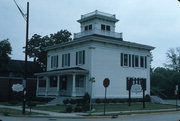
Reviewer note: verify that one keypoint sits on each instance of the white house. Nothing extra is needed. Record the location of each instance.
(97, 52)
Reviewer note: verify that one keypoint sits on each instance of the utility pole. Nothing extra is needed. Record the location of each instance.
(24, 81)
(25, 70)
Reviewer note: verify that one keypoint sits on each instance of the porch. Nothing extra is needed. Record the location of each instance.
(69, 82)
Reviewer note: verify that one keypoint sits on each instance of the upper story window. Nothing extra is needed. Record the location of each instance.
(88, 27)
(54, 61)
(66, 60)
(133, 60)
(80, 57)
(105, 27)
(136, 61)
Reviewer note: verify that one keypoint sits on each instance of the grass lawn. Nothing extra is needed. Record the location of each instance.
(110, 107)
(7, 112)
(125, 107)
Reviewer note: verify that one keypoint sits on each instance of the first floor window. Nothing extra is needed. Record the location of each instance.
(80, 81)
(53, 81)
(63, 82)
(54, 61)
(80, 57)
(42, 83)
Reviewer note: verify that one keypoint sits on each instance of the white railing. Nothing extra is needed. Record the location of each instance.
(98, 32)
(97, 13)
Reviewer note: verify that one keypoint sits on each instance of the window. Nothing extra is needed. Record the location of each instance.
(142, 61)
(80, 57)
(53, 81)
(108, 28)
(66, 60)
(136, 61)
(125, 59)
(88, 27)
(103, 27)
(54, 61)
(63, 82)
(128, 60)
(42, 83)
(80, 81)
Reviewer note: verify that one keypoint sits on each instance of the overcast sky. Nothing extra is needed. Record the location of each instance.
(150, 22)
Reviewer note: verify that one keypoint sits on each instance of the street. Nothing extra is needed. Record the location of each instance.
(171, 116)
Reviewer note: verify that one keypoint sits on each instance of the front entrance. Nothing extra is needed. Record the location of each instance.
(63, 85)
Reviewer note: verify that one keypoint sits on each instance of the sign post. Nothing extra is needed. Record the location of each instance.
(106, 83)
(176, 93)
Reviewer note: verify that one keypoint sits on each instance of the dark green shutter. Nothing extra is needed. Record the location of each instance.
(62, 60)
(76, 58)
(68, 59)
(83, 56)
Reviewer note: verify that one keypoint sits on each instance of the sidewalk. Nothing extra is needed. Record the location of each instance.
(46, 113)
(84, 115)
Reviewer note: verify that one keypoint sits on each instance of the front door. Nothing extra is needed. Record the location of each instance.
(63, 85)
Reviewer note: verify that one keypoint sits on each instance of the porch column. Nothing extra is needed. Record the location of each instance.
(37, 86)
(73, 85)
(47, 86)
(58, 80)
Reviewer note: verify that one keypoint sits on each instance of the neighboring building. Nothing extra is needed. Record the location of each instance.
(13, 73)
(97, 51)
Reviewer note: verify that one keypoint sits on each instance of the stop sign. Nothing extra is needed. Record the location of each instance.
(106, 82)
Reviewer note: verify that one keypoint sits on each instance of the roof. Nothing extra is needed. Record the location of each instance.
(102, 39)
(64, 71)
(99, 15)
(18, 67)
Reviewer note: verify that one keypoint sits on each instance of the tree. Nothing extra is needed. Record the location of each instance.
(163, 82)
(5, 51)
(37, 44)
(173, 56)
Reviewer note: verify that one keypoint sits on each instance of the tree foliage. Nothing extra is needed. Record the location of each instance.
(173, 56)
(163, 81)
(37, 44)
(5, 51)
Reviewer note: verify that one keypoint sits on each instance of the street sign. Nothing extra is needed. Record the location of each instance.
(17, 87)
(176, 87)
(136, 88)
(106, 82)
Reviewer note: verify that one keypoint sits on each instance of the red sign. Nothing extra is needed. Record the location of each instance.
(106, 82)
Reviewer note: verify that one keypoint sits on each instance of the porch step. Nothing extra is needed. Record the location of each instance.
(60, 99)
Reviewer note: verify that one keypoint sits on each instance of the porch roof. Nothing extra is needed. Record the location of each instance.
(63, 71)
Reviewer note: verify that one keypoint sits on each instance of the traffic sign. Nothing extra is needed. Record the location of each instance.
(106, 82)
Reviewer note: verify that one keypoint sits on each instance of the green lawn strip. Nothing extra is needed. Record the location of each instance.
(110, 107)
(125, 107)
(58, 108)
(7, 112)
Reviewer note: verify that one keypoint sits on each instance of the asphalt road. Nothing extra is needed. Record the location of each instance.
(172, 116)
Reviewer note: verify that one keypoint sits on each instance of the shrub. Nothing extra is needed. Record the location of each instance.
(78, 109)
(72, 101)
(66, 101)
(69, 109)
